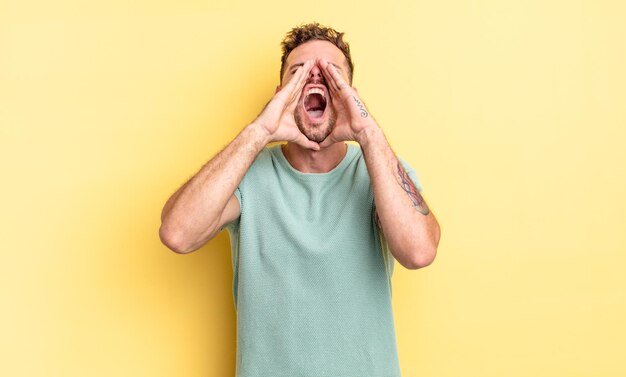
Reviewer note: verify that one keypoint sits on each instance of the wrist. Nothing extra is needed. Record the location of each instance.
(371, 133)
(259, 133)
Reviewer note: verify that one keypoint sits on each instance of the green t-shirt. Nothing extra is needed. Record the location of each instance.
(311, 272)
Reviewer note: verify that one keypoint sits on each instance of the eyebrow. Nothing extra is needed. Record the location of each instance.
(291, 68)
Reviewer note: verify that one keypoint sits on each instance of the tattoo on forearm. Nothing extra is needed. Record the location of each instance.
(414, 195)
(361, 107)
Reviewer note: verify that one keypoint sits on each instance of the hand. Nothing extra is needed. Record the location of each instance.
(277, 118)
(352, 115)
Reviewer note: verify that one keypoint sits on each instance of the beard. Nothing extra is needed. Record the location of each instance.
(316, 132)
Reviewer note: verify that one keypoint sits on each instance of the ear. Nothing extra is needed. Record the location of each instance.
(277, 89)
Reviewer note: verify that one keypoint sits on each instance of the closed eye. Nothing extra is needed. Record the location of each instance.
(295, 67)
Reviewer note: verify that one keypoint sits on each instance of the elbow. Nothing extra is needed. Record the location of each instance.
(423, 260)
(426, 252)
(424, 257)
(173, 241)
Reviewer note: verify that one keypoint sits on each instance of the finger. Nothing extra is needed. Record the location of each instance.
(287, 90)
(299, 85)
(330, 83)
(338, 98)
(334, 86)
(297, 90)
(338, 81)
(327, 76)
(300, 79)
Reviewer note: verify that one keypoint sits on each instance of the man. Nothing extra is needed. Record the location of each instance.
(315, 223)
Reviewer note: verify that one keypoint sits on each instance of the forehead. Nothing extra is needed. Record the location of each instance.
(316, 49)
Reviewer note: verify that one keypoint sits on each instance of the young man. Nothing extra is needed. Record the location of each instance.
(315, 223)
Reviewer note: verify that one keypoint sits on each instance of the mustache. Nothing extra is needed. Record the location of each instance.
(321, 81)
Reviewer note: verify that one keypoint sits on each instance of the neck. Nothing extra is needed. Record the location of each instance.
(310, 161)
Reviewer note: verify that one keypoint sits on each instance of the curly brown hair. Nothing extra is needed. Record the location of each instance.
(306, 32)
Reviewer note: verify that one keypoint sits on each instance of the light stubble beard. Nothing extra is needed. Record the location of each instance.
(315, 132)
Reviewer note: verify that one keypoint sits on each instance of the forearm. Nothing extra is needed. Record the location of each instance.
(194, 211)
(407, 223)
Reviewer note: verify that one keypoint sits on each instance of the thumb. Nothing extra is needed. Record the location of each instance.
(327, 142)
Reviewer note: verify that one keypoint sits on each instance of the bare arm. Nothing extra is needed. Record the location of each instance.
(198, 210)
(410, 228)
(407, 223)
(201, 207)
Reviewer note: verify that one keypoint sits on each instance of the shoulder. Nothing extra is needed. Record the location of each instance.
(264, 159)
(355, 155)
(266, 154)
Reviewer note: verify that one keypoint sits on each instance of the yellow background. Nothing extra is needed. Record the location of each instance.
(512, 113)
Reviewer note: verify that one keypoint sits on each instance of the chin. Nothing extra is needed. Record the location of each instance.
(314, 131)
(318, 134)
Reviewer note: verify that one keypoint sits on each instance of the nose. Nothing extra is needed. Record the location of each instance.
(316, 74)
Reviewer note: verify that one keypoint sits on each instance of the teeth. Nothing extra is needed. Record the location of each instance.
(318, 91)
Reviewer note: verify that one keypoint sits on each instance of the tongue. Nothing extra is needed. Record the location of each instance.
(315, 105)
(316, 113)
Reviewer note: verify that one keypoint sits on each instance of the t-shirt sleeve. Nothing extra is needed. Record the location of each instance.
(262, 158)
(233, 226)
(238, 195)
(411, 172)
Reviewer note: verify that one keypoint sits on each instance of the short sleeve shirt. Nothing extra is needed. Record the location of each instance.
(311, 272)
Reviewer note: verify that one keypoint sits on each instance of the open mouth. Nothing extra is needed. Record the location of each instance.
(315, 103)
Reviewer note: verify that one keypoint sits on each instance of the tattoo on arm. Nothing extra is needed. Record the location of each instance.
(361, 107)
(414, 195)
